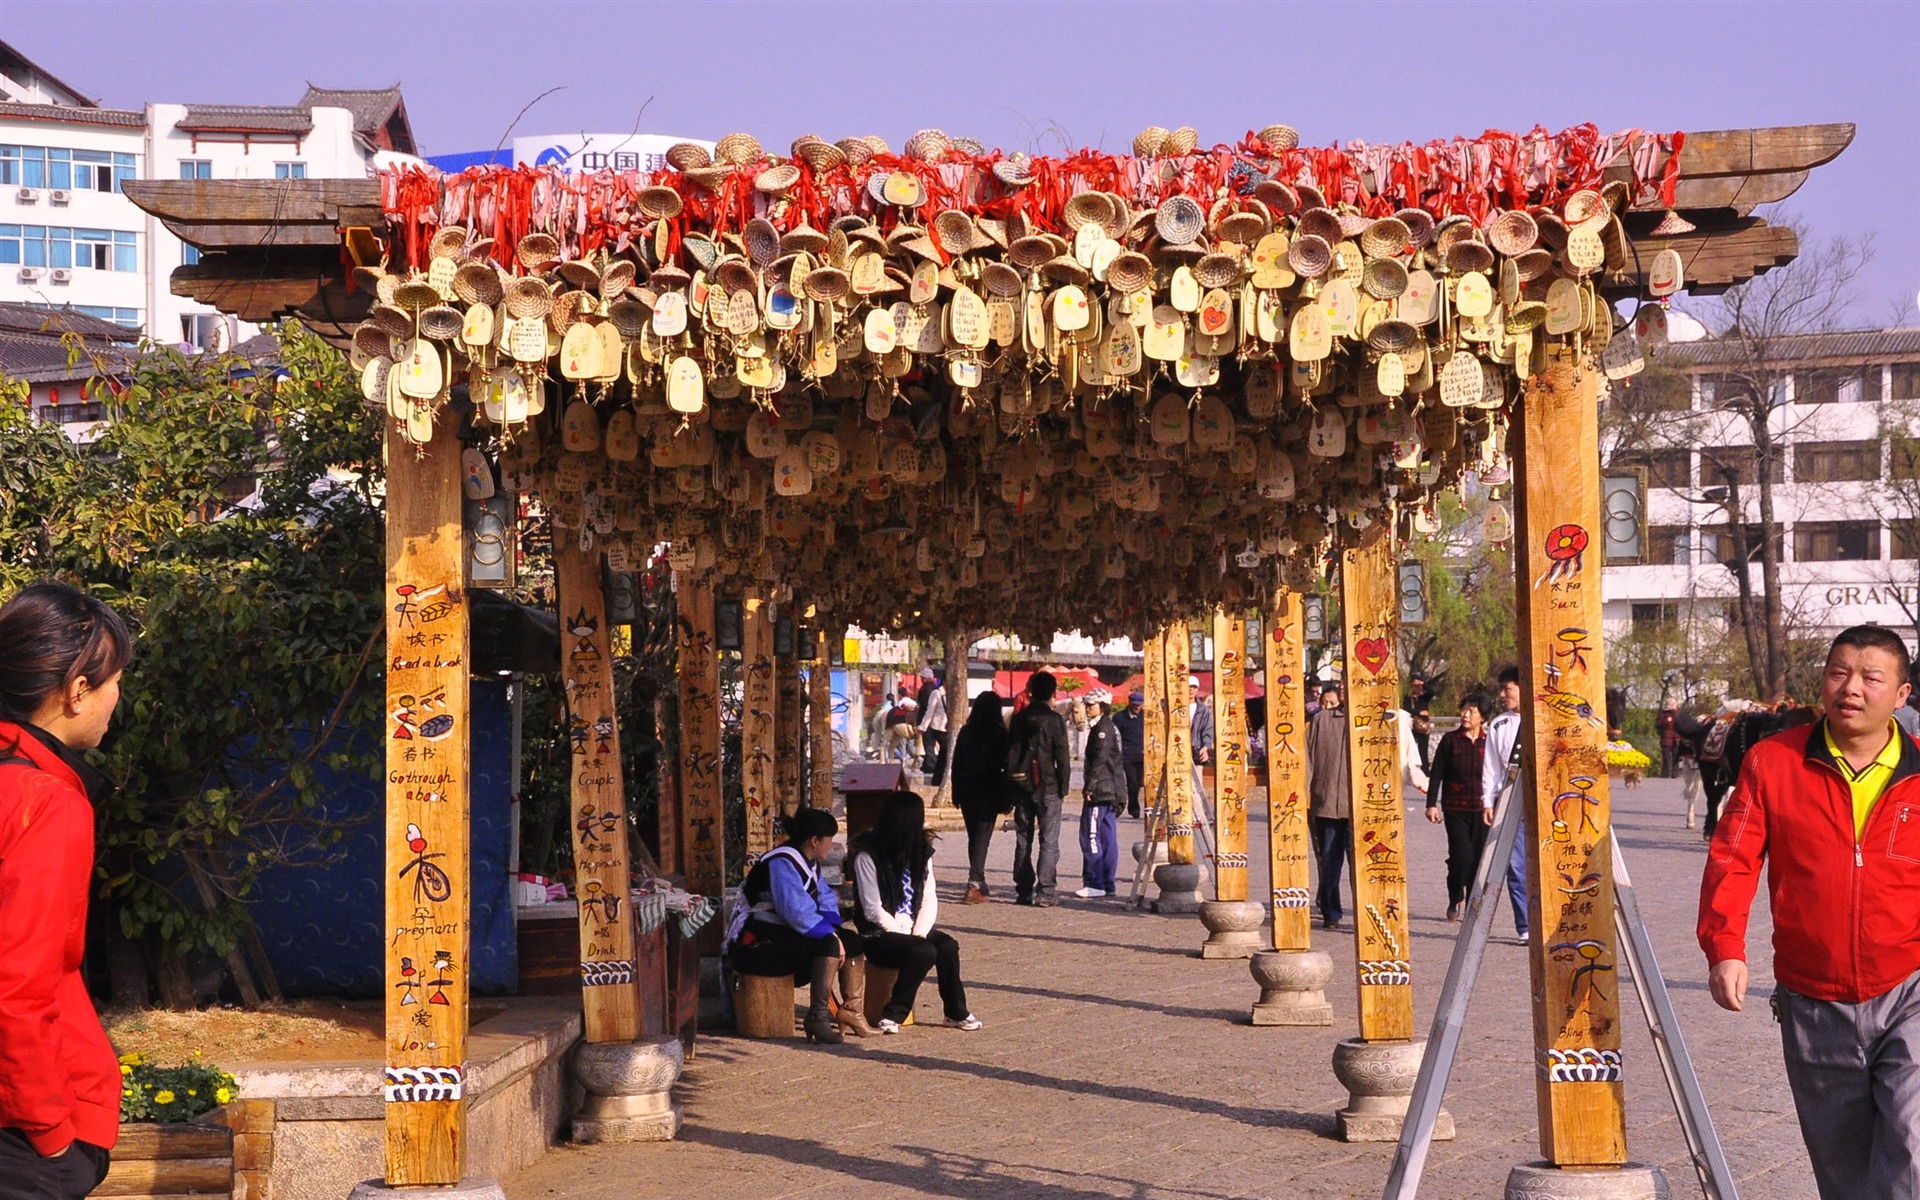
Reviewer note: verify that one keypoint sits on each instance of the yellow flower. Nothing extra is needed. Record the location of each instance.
(163, 1097)
(125, 1069)
(224, 1095)
(193, 1092)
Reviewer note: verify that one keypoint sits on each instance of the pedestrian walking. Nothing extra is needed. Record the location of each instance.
(933, 729)
(61, 655)
(1330, 811)
(1132, 725)
(1499, 763)
(981, 790)
(1040, 772)
(903, 735)
(893, 879)
(1826, 808)
(1454, 797)
(1103, 780)
(1663, 725)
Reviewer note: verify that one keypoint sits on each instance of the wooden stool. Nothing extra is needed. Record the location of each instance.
(763, 1006)
(880, 981)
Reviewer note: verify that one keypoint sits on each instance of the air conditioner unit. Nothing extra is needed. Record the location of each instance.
(62, 275)
(60, 196)
(27, 195)
(29, 274)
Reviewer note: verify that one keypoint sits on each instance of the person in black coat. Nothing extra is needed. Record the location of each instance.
(1104, 780)
(980, 788)
(1040, 770)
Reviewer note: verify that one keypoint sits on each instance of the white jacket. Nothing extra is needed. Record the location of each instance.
(1502, 732)
(934, 720)
(867, 882)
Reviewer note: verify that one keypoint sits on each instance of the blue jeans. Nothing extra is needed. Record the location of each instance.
(1332, 846)
(1036, 816)
(1517, 882)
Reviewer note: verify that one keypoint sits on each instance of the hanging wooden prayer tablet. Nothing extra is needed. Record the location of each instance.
(1418, 305)
(1197, 371)
(1003, 321)
(686, 386)
(882, 335)
(1327, 437)
(1308, 338)
(869, 274)
(421, 376)
(1460, 381)
(967, 322)
(1216, 313)
(1390, 375)
(580, 428)
(792, 475)
(1269, 316)
(669, 314)
(1585, 252)
(1269, 260)
(783, 309)
(1473, 295)
(1183, 290)
(580, 353)
(1564, 309)
(477, 328)
(1166, 336)
(1070, 308)
(1341, 306)
(1667, 275)
(622, 438)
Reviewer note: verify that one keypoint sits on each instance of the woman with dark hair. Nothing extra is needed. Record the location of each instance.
(893, 873)
(61, 655)
(980, 788)
(1454, 798)
(787, 922)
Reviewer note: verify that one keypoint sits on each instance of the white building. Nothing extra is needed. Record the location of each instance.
(1844, 530)
(68, 237)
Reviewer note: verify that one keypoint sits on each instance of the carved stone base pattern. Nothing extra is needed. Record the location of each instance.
(1179, 885)
(1379, 1078)
(1233, 928)
(1541, 1181)
(1293, 987)
(629, 1095)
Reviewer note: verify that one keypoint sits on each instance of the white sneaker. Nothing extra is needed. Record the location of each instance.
(968, 1023)
(887, 1026)
(1087, 893)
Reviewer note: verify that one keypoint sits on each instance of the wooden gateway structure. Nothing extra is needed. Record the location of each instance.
(843, 380)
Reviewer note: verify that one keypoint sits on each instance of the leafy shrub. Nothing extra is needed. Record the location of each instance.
(151, 1093)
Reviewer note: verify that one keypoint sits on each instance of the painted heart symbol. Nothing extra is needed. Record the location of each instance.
(1371, 653)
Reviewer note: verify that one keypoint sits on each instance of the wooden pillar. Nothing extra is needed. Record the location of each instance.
(669, 818)
(609, 993)
(789, 721)
(1230, 755)
(1288, 846)
(758, 780)
(1576, 987)
(1369, 595)
(820, 726)
(429, 886)
(703, 822)
(1179, 747)
(1153, 772)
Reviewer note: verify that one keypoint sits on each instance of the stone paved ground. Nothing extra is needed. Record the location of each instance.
(1116, 1063)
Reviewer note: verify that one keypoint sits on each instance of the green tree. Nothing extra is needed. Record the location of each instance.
(234, 518)
(1469, 631)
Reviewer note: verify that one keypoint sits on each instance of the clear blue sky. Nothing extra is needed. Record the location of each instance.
(1023, 75)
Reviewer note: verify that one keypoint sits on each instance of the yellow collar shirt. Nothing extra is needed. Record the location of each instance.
(1869, 781)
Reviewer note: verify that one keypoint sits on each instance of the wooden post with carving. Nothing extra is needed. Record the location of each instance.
(789, 720)
(1288, 843)
(1153, 772)
(703, 817)
(1369, 597)
(609, 995)
(1230, 755)
(820, 726)
(1179, 747)
(429, 884)
(1576, 986)
(758, 779)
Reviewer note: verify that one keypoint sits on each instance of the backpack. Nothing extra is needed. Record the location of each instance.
(1023, 760)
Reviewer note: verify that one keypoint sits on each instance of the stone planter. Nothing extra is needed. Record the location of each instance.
(1293, 987)
(1179, 885)
(1379, 1078)
(629, 1091)
(1233, 928)
(171, 1160)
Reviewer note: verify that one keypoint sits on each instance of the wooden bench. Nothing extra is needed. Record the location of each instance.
(763, 1006)
(880, 981)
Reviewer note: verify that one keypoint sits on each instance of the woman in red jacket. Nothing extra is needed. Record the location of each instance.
(61, 654)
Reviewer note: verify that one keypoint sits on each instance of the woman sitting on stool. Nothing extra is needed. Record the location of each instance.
(893, 872)
(788, 923)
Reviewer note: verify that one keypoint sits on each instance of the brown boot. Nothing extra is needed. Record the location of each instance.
(853, 998)
(975, 894)
(819, 1023)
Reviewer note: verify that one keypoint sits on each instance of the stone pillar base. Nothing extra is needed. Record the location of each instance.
(1543, 1181)
(629, 1088)
(1379, 1078)
(1179, 885)
(1293, 987)
(1233, 928)
(466, 1189)
(1149, 890)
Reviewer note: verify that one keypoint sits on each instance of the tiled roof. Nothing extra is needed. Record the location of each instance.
(32, 349)
(11, 110)
(1883, 345)
(52, 322)
(370, 106)
(261, 118)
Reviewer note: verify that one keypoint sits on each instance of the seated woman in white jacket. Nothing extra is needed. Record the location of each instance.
(892, 870)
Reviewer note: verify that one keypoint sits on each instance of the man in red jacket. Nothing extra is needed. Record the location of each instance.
(1833, 809)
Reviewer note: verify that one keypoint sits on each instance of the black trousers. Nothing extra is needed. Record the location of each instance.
(979, 836)
(765, 948)
(913, 957)
(1136, 779)
(1466, 840)
(24, 1175)
(933, 755)
(1332, 847)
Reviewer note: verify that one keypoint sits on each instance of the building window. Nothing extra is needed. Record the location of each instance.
(1906, 381)
(1836, 541)
(289, 170)
(99, 171)
(1743, 461)
(36, 167)
(1672, 468)
(1828, 387)
(189, 255)
(196, 168)
(61, 248)
(1668, 545)
(1655, 615)
(127, 317)
(1716, 542)
(1836, 462)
